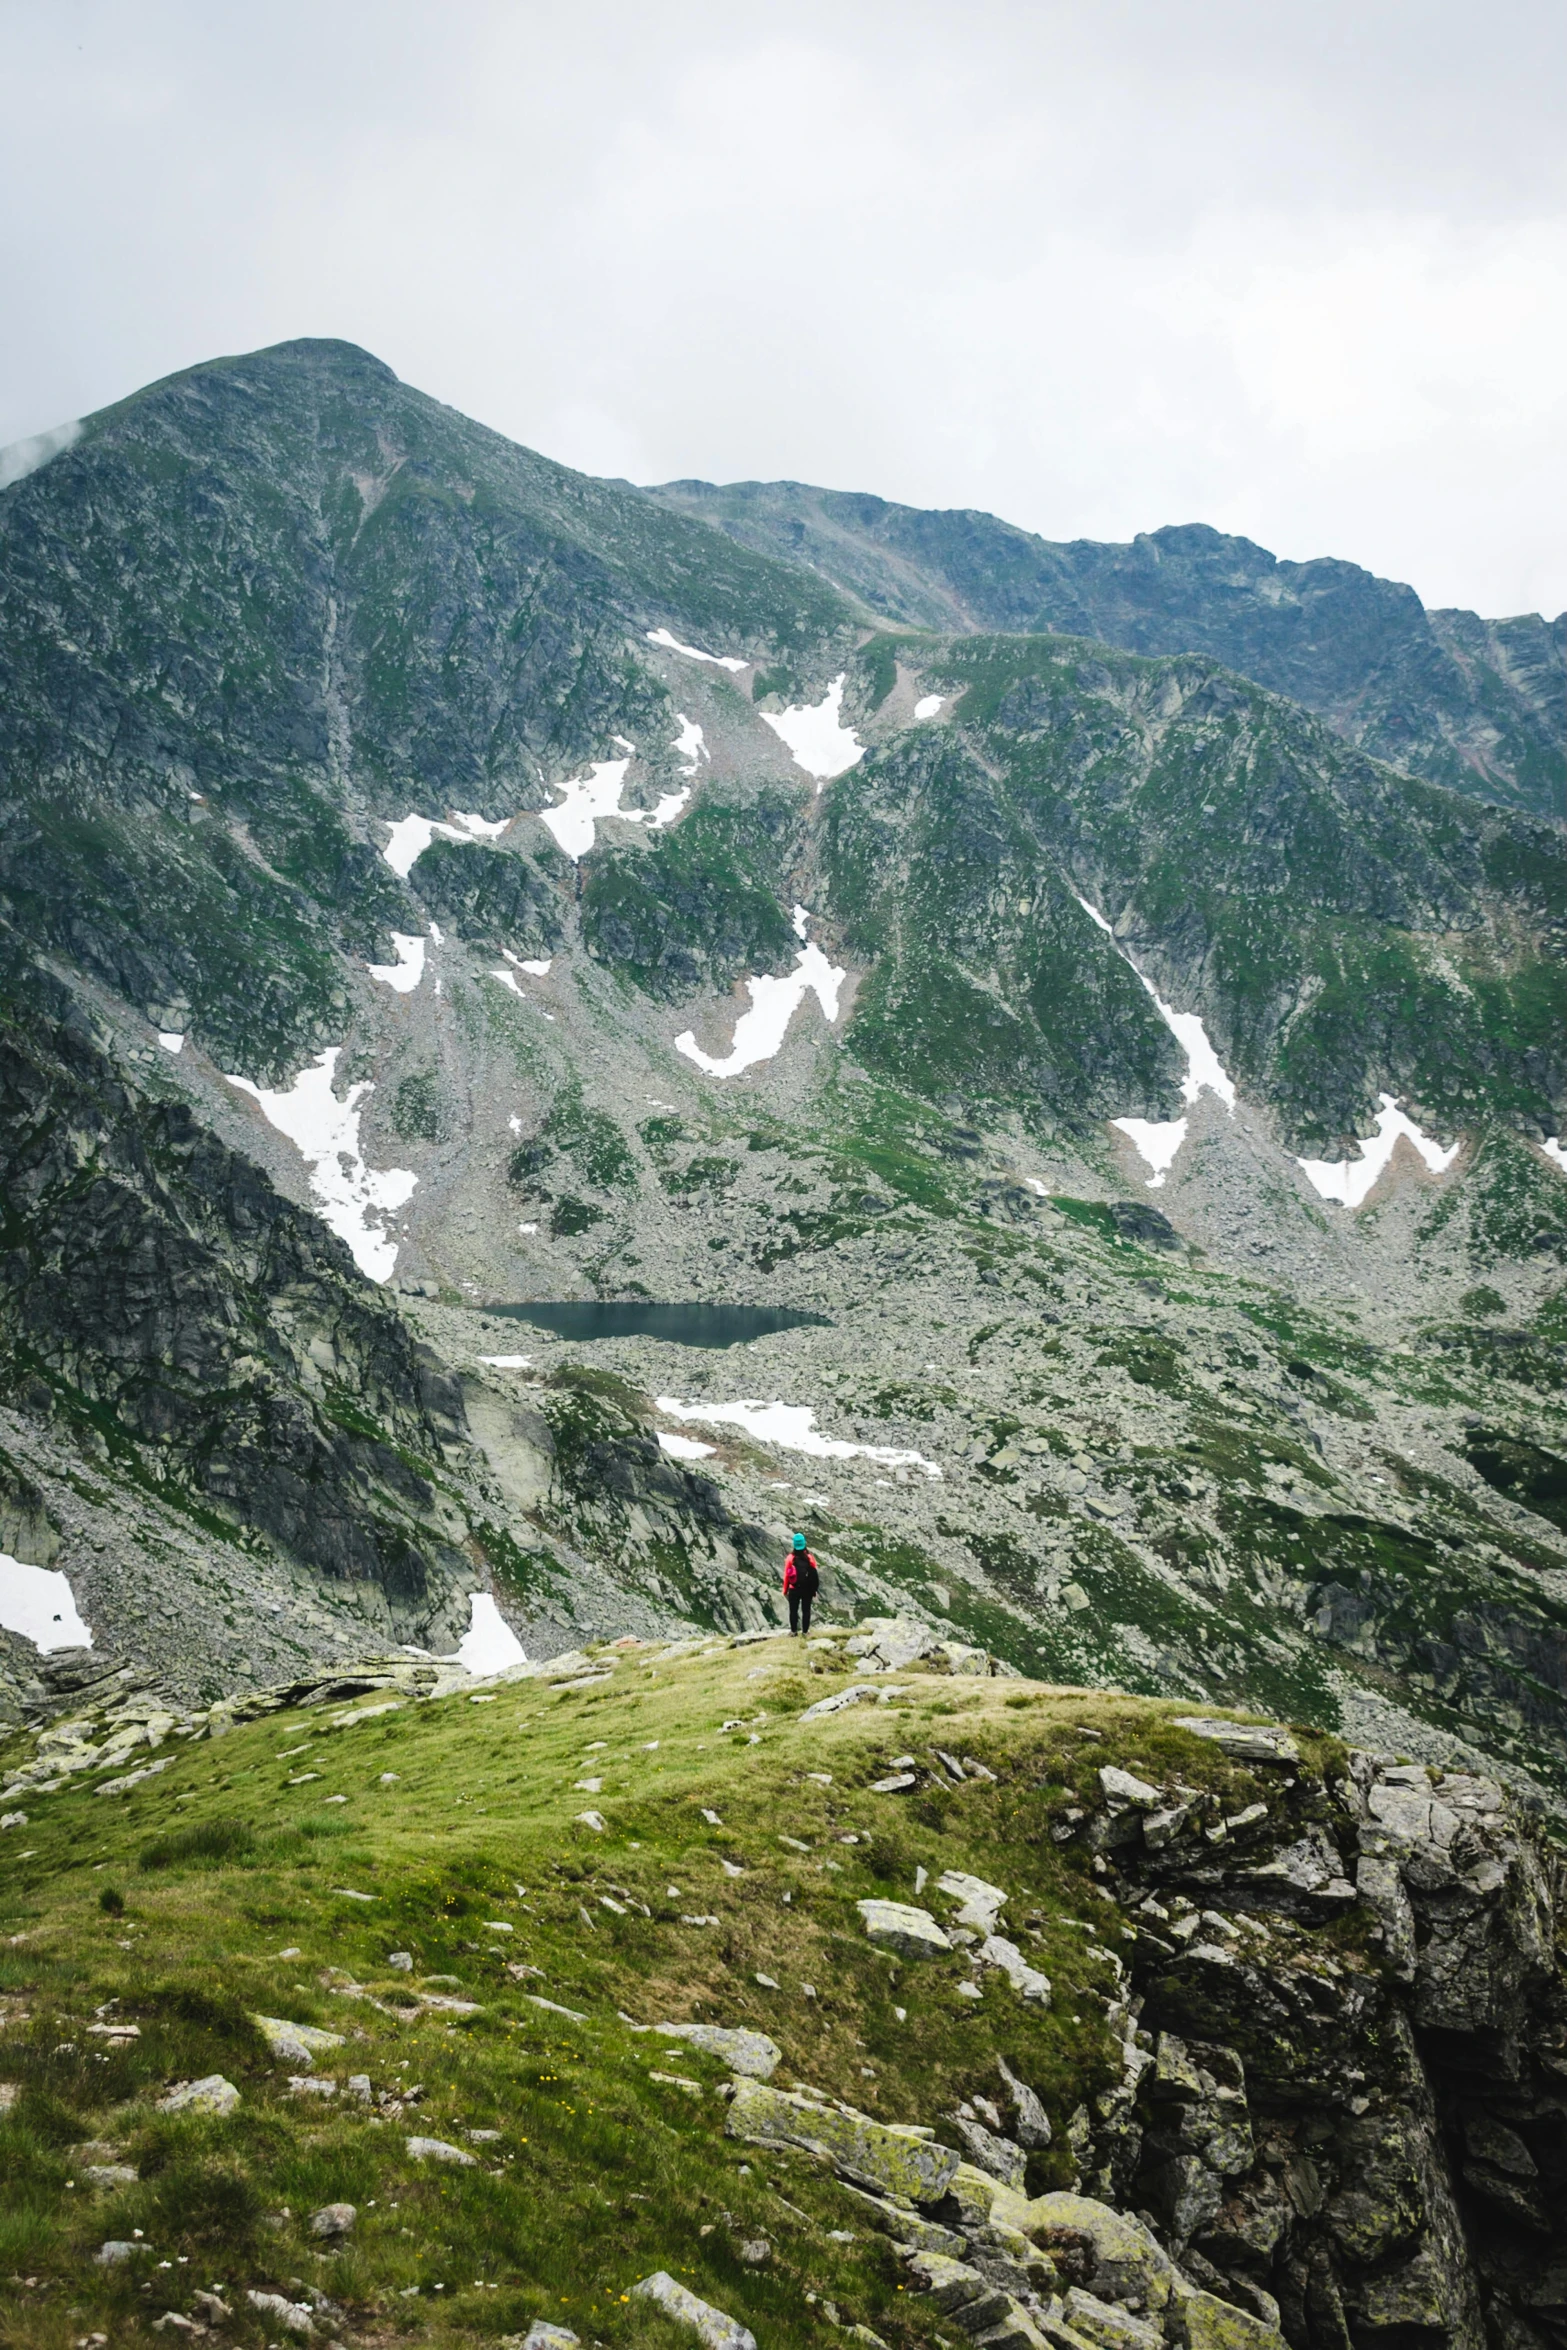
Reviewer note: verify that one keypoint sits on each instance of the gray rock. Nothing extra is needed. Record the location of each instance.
(996, 1951)
(115, 2250)
(891, 2160)
(711, 2326)
(896, 1925)
(333, 2219)
(438, 2150)
(212, 2094)
(296, 2317)
(1032, 2123)
(980, 1904)
(1122, 1791)
(297, 2044)
(1111, 2328)
(999, 2156)
(858, 1693)
(749, 2053)
(1242, 1741)
(541, 2335)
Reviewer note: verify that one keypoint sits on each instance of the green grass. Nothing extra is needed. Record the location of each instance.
(600, 2173)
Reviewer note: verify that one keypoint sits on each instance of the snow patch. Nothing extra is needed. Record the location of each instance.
(818, 739)
(928, 705)
(689, 744)
(489, 1645)
(25, 457)
(1555, 1151)
(509, 1362)
(587, 800)
(669, 807)
(536, 968)
(408, 840)
(325, 1132)
(404, 975)
(793, 1427)
(1350, 1180)
(684, 1448)
(774, 1002)
(170, 1039)
(38, 1603)
(1157, 1140)
(672, 644)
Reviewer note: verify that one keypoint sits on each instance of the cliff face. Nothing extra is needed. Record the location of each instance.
(1345, 2083)
(207, 1337)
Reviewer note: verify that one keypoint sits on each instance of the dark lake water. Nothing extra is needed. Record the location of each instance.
(680, 1325)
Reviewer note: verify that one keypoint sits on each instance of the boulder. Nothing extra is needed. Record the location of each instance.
(986, 2207)
(1201, 2321)
(895, 1925)
(1032, 2123)
(998, 1952)
(294, 2316)
(1243, 1741)
(1111, 2328)
(1111, 2254)
(749, 2053)
(884, 2156)
(437, 2150)
(858, 1693)
(211, 2094)
(710, 2325)
(981, 1904)
(904, 2224)
(297, 2044)
(541, 2335)
(1122, 1792)
(1004, 2160)
(333, 2220)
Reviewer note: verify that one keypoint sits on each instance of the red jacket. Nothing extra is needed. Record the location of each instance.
(793, 1576)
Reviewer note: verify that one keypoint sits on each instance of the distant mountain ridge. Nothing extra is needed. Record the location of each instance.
(1480, 705)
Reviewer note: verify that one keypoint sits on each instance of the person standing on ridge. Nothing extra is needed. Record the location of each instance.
(801, 1581)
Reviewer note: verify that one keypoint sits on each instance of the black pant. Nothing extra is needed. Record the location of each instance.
(800, 1610)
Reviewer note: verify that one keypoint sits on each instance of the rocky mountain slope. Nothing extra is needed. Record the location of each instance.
(751, 1991)
(1477, 704)
(433, 882)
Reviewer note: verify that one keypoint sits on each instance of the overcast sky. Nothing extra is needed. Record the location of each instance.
(1295, 268)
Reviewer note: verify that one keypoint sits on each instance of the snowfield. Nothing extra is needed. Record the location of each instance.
(489, 1645)
(38, 1603)
(325, 1132)
(672, 644)
(818, 738)
(404, 975)
(774, 1002)
(1350, 1180)
(791, 1426)
(409, 838)
(1157, 1140)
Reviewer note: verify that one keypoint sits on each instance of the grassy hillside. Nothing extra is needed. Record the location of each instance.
(736, 1840)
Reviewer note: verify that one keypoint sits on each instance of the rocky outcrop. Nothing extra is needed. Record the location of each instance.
(1344, 2031)
(208, 1338)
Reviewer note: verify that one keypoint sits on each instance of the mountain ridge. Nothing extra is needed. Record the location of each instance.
(1477, 704)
